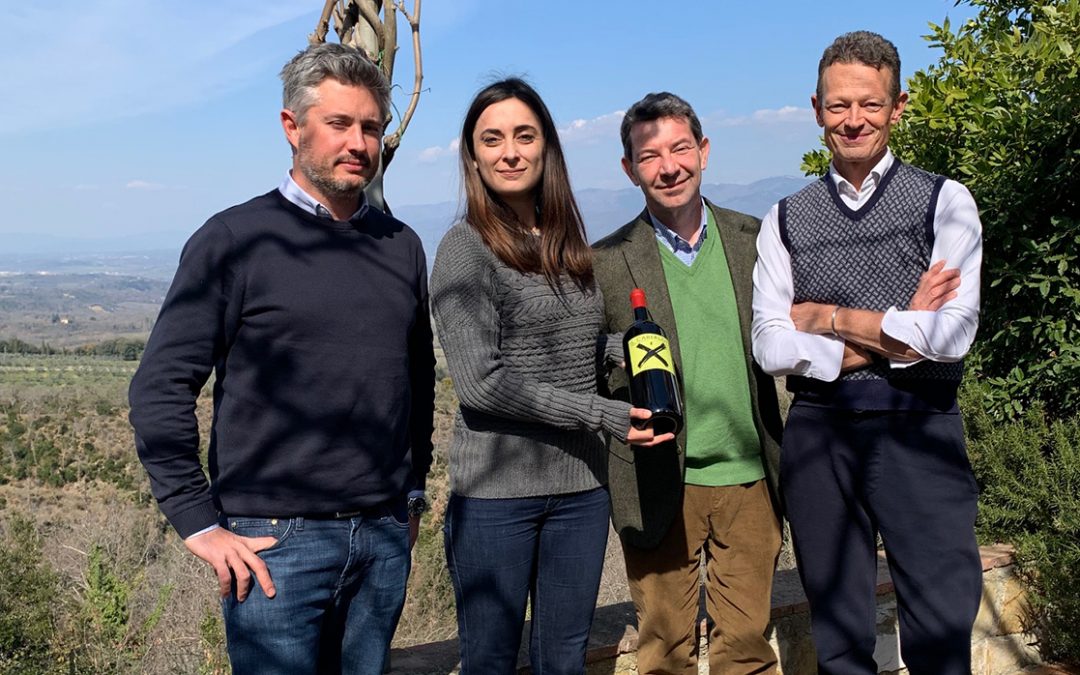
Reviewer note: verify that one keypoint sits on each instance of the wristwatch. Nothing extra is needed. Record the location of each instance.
(417, 505)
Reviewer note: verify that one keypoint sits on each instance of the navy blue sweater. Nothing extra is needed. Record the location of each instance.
(319, 336)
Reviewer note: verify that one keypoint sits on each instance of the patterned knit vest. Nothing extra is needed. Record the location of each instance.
(870, 259)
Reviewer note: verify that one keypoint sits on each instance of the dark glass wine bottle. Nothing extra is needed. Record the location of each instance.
(651, 369)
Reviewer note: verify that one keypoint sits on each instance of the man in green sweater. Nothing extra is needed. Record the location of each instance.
(711, 491)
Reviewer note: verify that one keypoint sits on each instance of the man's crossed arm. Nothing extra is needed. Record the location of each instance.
(861, 328)
(821, 341)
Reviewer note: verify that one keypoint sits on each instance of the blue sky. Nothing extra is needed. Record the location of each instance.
(131, 116)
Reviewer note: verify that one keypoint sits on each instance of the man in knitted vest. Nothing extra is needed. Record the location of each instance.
(311, 309)
(710, 490)
(866, 296)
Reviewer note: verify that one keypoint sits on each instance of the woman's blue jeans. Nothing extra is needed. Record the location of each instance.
(545, 550)
(340, 589)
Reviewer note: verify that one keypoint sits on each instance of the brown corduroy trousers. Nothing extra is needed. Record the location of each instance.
(737, 530)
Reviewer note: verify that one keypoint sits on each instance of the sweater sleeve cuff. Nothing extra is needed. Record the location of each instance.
(194, 519)
(205, 530)
(419, 483)
(616, 418)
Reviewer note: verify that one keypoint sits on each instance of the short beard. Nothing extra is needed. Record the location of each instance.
(322, 176)
(330, 186)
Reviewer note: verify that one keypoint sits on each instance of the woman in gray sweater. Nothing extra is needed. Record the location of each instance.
(518, 316)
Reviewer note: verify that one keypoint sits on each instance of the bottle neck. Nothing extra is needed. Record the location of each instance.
(641, 314)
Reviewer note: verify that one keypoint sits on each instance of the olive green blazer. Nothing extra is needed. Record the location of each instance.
(646, 484)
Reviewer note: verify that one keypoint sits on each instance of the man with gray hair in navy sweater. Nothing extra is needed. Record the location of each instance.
(311, 309)
(866, 295)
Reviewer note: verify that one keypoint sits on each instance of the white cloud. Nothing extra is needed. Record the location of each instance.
(592, 130)
(788, 114)
(436, 152)
(143, 185)
(76, 62)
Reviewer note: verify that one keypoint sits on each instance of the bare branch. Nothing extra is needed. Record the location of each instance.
(345, 18)
(391, 142)
(370, 14)
(72, 548)
(323, 26)
(389, 44)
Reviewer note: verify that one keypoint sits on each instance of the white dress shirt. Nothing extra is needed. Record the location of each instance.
(942, 335)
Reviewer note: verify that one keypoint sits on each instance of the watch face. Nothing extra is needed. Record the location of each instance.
(417, 506)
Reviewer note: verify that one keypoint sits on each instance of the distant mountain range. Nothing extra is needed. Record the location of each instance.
(154, 254)
(606, 210)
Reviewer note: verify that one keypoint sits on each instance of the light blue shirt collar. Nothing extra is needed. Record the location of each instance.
(296, 194)
(676, 244)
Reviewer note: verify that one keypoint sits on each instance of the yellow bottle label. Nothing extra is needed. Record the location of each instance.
(650, 352)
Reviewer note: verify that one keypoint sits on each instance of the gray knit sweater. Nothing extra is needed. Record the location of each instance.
(523, 359)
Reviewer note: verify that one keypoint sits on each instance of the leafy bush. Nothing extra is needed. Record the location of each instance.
(109, 636)
(1029, 475)
(93, 630)
(27, 600)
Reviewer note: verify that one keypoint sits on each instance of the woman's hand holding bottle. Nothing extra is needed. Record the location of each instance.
(641, 431)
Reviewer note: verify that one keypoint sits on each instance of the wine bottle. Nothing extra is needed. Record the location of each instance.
(651, 369)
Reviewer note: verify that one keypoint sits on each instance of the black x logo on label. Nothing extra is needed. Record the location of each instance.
(652, 353)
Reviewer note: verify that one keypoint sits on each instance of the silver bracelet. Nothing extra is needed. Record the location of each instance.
(832, 321)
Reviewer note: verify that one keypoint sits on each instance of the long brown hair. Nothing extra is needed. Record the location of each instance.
(562, 247)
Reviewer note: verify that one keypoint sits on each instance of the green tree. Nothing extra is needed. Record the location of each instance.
(1000, 112)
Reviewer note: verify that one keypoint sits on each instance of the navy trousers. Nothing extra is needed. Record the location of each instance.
(503, 552)
(848, 475)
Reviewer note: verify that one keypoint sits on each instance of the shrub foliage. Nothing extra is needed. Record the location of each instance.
(1029, 475)
(27, 599)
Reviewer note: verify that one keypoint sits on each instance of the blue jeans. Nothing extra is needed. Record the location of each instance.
(547, 550)
(340, 589)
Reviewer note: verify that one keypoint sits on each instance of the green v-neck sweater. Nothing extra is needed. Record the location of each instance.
(722, 444)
